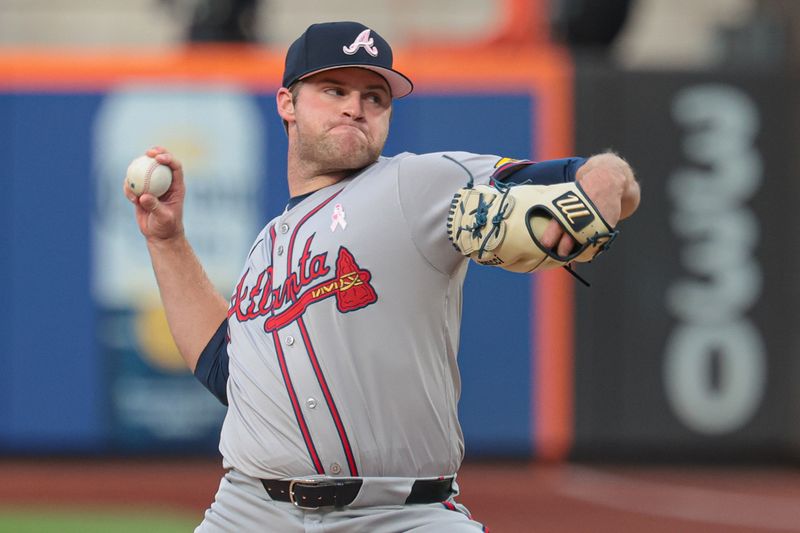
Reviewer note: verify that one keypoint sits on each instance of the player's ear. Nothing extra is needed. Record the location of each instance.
(285, 101)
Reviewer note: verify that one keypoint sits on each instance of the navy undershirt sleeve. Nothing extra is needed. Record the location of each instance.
(212, 366)
(544, 172)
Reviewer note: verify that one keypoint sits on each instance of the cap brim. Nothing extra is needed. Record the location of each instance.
(398, 83)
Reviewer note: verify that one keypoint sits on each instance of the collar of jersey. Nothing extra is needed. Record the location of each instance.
(293, 201)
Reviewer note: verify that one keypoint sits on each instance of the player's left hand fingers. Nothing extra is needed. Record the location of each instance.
(565, 245)
(552, 235)
(556, 239)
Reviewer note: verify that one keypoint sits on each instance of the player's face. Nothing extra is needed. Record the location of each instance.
(342, 119)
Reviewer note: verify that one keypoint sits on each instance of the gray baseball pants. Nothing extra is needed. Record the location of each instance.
(241, 505)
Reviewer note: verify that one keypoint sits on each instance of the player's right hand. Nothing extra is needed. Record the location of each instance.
(161, 219)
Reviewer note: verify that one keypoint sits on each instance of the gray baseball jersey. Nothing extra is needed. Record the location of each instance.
(344, 329)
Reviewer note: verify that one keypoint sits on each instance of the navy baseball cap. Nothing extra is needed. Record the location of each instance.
(331, 45)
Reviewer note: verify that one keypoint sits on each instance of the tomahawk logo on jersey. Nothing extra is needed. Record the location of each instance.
(287, 301)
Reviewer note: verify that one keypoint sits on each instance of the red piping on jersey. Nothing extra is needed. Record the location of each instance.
(271, 241)
(298, 413)
(312, 451)
(297, 227)
(351, 462)
(295, 313)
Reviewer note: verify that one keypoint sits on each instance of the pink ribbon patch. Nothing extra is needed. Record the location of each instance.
(337, 218)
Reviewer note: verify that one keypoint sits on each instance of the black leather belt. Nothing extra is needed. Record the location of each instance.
(316, 493)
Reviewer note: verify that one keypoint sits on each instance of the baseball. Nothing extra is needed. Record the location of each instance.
(146, 175)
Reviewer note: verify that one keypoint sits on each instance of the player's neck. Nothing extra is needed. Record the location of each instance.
(304, 179)
(304, 183)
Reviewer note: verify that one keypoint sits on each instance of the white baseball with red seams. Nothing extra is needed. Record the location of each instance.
(146, 175)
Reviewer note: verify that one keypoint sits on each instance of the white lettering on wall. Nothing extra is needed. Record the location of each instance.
(715, 360)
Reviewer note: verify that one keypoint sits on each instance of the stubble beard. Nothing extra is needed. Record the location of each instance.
(329, 153)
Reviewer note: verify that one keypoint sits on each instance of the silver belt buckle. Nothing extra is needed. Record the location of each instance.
(305, 482)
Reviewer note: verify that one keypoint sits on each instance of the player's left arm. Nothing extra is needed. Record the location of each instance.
(608, 180)
(611, 178)
(548, 172)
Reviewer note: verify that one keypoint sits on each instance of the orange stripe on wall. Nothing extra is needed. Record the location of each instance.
(505, 67)
(43, 69)
(554, 298)
(553, 373)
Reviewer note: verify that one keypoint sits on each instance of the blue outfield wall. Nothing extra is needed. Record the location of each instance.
(76, 379)
(53, 397)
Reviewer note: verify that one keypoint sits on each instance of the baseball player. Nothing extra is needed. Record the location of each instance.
(336, 353)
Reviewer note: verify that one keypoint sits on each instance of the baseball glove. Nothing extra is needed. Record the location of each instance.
(502, 224)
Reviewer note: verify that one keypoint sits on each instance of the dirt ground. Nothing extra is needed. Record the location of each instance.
(507, 497)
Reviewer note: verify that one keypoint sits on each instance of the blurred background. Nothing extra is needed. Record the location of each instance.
(666, 397)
